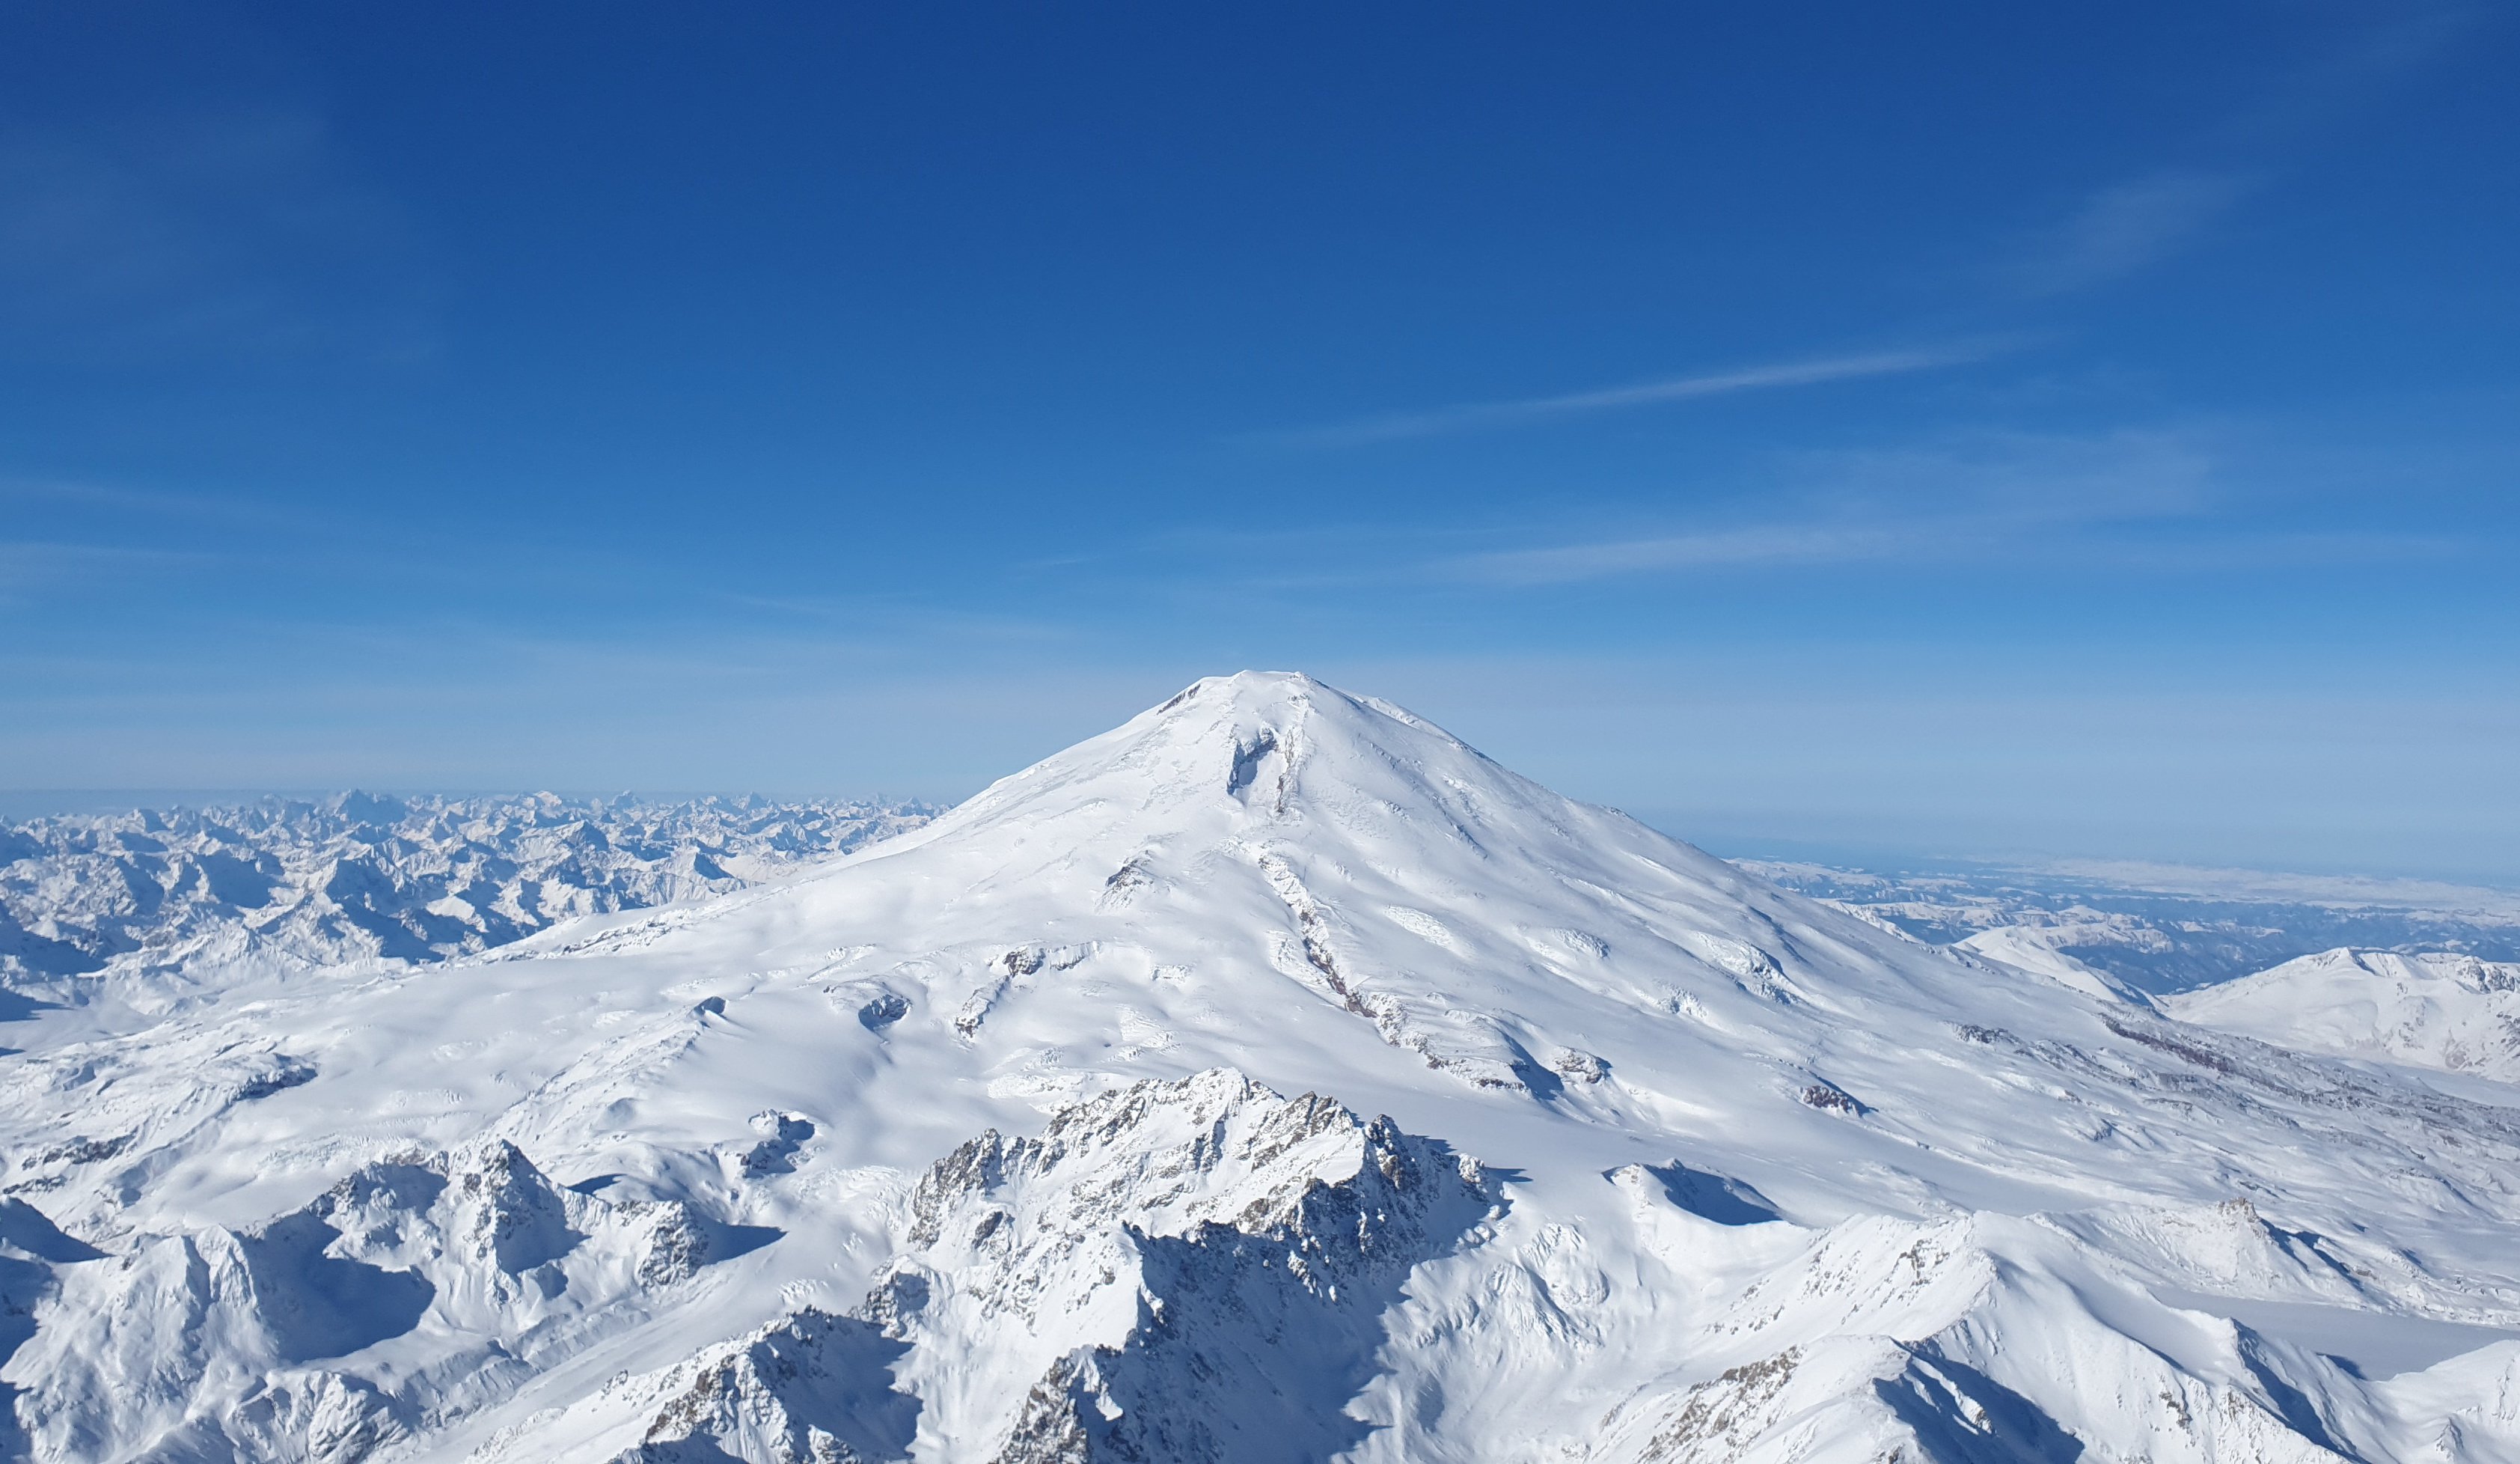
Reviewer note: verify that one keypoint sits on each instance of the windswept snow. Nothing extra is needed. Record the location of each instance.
(1273, 1078)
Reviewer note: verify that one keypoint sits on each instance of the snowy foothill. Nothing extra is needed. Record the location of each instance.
(1272, 1078)
(2432, 1009)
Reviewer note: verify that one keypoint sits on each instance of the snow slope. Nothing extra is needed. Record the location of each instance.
(1272, 1078)
(2030, 949)
(2432, 1009)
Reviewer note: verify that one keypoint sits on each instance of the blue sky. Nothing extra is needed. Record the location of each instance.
(2084, 429)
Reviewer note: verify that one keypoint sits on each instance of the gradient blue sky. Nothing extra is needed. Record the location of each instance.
(2088, 429)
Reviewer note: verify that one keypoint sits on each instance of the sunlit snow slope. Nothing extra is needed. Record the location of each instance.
(1273, 1078)
(2432, 1009)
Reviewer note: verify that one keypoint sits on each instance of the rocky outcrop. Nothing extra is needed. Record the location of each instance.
(809, 1388)
(1190, 1270)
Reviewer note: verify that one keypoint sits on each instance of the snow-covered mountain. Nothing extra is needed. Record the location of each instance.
(287, 882)
(1273, 1078)
(2432, 1009)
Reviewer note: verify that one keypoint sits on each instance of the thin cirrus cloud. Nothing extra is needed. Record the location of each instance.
(1529, 410)
(1952, 536)
(2143, 220)
(32, 564)
(1751, 546)
(2126, 227)
(232, 235)
(124, 507)
(1976, 495)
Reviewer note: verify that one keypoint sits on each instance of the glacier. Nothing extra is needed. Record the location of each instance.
(1272, 1078)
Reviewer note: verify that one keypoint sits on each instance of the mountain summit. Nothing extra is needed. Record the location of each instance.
(1272, 1078)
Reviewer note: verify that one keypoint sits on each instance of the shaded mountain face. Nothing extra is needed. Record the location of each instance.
(1273, 1078)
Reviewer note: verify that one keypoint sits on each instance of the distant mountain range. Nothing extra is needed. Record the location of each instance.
(361, 877)
(2165, 927)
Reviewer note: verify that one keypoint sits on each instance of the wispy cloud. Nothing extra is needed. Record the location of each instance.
(2389, 47)
(2127, 227)
(39, 565)
(127, 504)
(2138, 501)
(2138, 221)
(1969, 497)
(1981, 537)
(226, 233)
(1755, 544)
(1485, 415)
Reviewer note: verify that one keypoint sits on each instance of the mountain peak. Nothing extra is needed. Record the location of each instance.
(1354, 849)
(1248, 686)
(1252, 707)
(1227, 752)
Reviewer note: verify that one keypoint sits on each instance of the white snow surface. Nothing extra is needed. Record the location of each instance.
(1273, 1078)
(2036, 950)
(2433, 1009)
